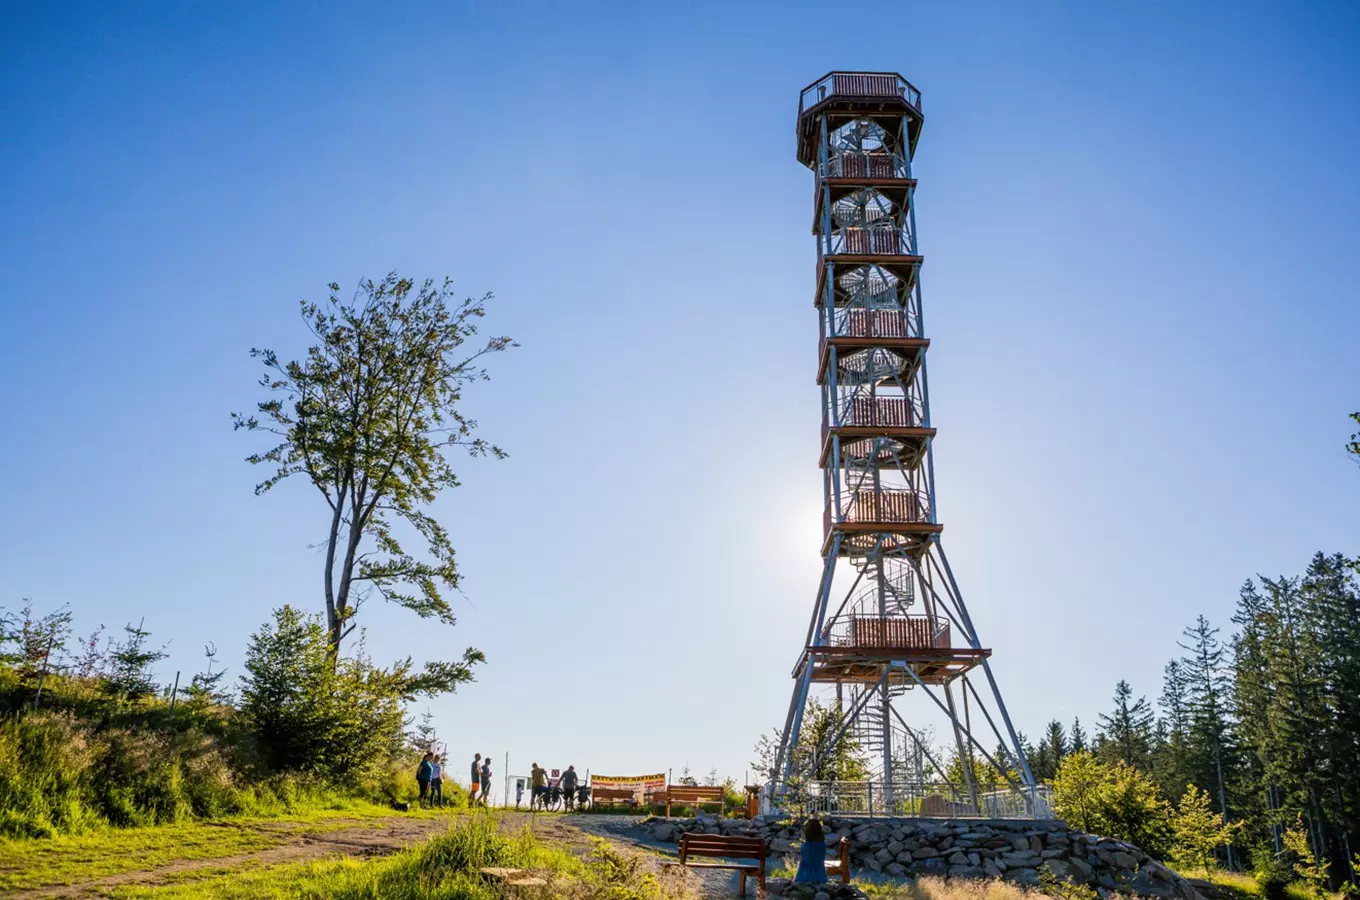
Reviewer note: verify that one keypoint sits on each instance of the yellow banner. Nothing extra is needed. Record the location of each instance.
(645, 783)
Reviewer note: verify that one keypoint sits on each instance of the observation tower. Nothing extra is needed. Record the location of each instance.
(890, 643)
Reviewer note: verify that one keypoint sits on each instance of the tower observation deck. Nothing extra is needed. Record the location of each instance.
(890, 643)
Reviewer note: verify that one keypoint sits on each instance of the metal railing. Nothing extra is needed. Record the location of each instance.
(923, 799)
(871, 366)
(858, 86)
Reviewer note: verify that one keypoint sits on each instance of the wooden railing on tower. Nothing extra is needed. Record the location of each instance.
(908, 632)
(857, 85)
(872, 241)
(869, 323)
(881, 412)
(864, 164)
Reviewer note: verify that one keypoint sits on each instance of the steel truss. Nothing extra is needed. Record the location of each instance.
(889, 628)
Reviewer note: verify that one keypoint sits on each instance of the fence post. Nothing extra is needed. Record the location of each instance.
(871, 798)
(174, 695)
(42, 679)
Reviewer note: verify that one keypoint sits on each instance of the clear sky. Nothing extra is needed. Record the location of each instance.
(1140, 230)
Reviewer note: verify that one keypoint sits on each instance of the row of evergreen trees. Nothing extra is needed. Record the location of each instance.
(1267, 722)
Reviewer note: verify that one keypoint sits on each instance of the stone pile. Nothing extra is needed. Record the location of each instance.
(1016, 851)
(782, 887)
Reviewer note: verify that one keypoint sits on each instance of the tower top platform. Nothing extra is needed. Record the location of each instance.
(854, 94)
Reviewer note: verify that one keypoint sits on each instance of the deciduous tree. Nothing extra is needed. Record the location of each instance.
(367, 416)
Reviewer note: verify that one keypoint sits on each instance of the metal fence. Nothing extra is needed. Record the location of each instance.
(924, 799)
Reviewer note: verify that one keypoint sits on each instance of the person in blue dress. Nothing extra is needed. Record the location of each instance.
(812, 856)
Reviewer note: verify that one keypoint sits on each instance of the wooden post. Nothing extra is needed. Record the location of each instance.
(174, 695)
(42, 678)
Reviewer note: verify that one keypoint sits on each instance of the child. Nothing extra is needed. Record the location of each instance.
(812, 857)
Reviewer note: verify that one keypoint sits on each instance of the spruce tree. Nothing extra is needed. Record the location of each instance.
(1126, 735)
(1172, 766)
(130, 662)
(1331, 599)
(1078, 736)
(1050, 752)
(1210, 736)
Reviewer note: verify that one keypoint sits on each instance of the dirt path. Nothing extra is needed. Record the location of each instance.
(365, 839)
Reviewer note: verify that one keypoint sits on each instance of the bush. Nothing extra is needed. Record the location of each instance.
(341, 719)
(1117, 801)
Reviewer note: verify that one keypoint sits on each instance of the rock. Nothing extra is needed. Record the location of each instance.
(965, 872)
(1027, 877)
(873, 865)
(1020, 843)
(905, 858)
(664, 832)
(1146, 884)
(958, 859)
(1052, 854)
(895, 847)
(974, 858)
(1124, 860)
(883, 856)
(1080, 867)
(1036, 843)
(991, 869)
(932, 866)
(1021, 860)
(1057, 868)
(780, 845)
(924, 853)
(821, 895)
(895, 869)
(777, 886)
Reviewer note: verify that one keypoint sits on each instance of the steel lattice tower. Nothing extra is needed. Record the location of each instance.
(889, 627)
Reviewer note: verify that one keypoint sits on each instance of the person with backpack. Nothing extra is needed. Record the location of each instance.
(568, 783)
(423, 775)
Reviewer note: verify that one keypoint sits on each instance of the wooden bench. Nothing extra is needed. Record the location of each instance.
(718, 846)
(685, 795)
(611, 795)
(841, 866)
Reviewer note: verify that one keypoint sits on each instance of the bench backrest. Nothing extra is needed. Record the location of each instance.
(685, 794)
(726, 846)
(611, 793)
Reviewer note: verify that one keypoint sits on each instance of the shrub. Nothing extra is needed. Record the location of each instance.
(1117, 801)
(340, 718)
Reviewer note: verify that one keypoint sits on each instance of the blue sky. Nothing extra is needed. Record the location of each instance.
(1139, 226)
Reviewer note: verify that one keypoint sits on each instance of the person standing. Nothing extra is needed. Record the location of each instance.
(436, 783)
(476, 780)
(569, 780)
(486, 778)
(538, 785)
(423, 774)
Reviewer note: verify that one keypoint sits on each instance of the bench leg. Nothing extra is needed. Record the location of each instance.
(741, 885)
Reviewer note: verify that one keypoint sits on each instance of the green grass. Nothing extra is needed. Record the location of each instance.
(1243, 885)
(37, 862)
(445, 868)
